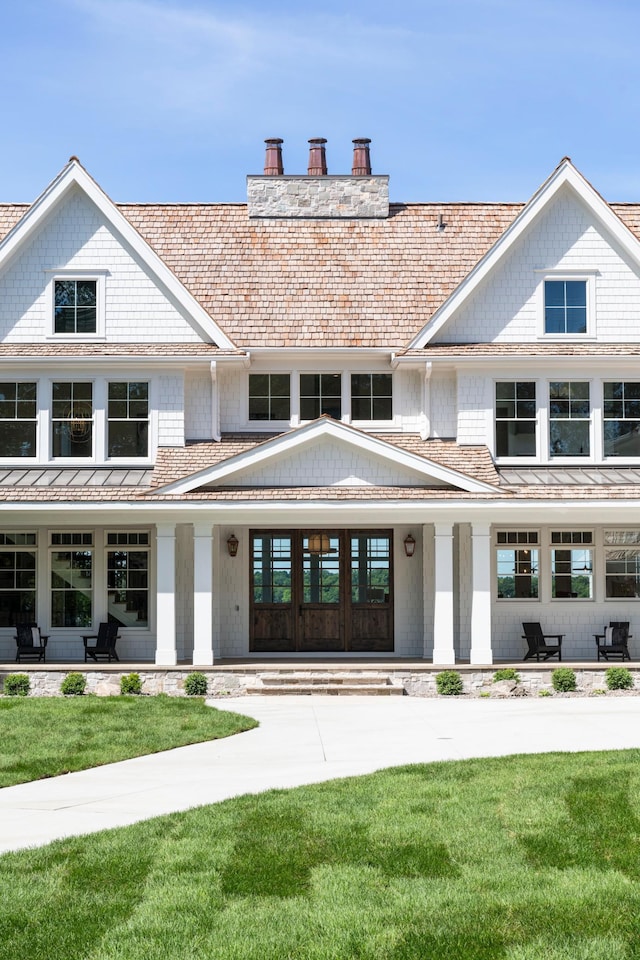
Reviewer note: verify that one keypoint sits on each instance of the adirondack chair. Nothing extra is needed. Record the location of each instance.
(105, 643)
(537, 642)
(613, 643)
(30, 642)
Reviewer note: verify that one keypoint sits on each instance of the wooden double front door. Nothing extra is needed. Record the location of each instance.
(320, 591)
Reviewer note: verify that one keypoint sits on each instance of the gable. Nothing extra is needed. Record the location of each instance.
(566, 239)
(73, 226)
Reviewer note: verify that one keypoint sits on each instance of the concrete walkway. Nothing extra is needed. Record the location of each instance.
(307, 740)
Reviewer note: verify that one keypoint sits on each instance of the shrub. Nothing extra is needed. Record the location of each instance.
(544, 692)
(73, 685)
(449, 683)
(563, 679)
(506, 673)
(618, 678)
(195, 684)
(17, 685)
(131, 683)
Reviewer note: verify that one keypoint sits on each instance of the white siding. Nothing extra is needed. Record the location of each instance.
(475, 408)
(197, 406)
(444, 406)
(171, 411)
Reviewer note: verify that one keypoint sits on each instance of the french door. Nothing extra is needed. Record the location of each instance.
(329, 591)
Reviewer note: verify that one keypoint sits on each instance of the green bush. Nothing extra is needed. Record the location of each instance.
(131, 683)
(449, 683)
(506, 673)
(17, 685)
(544, 692)
(563, 679)
(73, 685)
(618, 678)
(195, 684)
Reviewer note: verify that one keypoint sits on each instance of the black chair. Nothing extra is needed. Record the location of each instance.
(613, 644)
(105, 643)
(30, 642)
(537, 642)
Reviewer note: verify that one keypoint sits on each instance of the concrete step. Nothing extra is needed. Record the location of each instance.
(331, 689)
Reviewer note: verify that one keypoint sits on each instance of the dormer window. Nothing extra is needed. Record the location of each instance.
(567, 304)
(75, 306)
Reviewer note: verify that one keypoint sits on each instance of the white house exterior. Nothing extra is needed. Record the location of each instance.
(319, 422)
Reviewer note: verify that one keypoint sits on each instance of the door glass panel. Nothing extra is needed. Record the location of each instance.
(271, 569)
(320, 570)
(370, 568)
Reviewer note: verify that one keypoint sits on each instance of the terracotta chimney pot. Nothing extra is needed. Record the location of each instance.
(273, 159)
(361, 158)
(317, 158)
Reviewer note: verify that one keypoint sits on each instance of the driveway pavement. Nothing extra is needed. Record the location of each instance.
(306, 740)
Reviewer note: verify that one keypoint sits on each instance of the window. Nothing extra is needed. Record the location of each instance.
(17, 578)
(72, 580)
(128, 420)
(565, 306)
(571, 564)
(269, 396)
(569, 419)
(72, 420)
(518, 564)
(622, 564)
(622, 419)
(272, 561)
(18, 419)
(516, 419)
(75, 306)
(128, 579)
(320, 393)
(370, 568)
(371, 396)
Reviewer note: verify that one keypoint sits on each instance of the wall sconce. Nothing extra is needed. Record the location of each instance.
(232, 545)
(409, 545)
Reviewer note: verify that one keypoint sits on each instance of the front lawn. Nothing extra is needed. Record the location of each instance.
(525, 858)
(46, 736)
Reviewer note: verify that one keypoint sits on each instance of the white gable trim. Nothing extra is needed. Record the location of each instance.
(74, 174)
(565, 174)
(324, 427)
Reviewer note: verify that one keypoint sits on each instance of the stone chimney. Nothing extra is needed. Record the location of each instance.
(361, 166)
(273, 159)
(318, 195)
(317, 158)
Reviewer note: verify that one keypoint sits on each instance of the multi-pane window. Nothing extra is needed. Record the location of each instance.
(72, 420)
(569, 419)
(518, 564)
(269, 396)
(71, 580)
(18, 419)
(320, 393)
(371, 396)
(622, 564)
(18, 560)
(128, 419)
(321, 568)
(516, 419)
(128, 579)
(271, 568)
(571, 564)
(565, 306)
(75, 306)
(370, 568)
(621, 419)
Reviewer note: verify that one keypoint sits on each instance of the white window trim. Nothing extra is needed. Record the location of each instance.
(589, 276)
(100, 333)
(103, 417)
(539, 421)
(148, 547)
(28, 461)
(576, 460)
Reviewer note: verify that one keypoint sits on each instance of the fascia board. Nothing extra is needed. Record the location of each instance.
(279, 446)
(565, 174)
(75, 174)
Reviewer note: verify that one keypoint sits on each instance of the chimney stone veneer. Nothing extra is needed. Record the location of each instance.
(320, 197)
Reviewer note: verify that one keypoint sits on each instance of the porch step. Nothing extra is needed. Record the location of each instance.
(309, 683)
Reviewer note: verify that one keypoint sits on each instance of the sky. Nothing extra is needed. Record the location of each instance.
(464, 100)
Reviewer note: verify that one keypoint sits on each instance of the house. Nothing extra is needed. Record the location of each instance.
(319, 422)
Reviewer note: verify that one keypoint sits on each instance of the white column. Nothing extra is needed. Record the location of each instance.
(443, 647)
(202, 595)
(166, 653)
(481, 650)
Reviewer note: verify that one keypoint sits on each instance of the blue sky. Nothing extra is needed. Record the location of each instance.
(170, 100)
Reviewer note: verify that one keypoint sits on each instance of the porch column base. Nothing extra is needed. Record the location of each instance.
(443, 643)
(481, 646)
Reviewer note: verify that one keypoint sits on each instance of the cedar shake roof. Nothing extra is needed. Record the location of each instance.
(206, 351)
(450, 351)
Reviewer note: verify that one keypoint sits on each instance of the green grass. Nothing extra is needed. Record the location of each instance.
(48, 736)
(525, 858)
